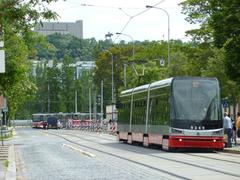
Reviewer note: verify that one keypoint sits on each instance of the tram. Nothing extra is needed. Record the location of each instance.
(41, 120)
(38, 120)
(175, 113)
(67, 120)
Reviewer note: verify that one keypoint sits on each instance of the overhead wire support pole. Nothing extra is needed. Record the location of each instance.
(133, 56)
(112, 79)
(133, 48)
(101, 100)
(147, 6)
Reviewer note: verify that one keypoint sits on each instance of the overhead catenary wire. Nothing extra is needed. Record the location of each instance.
(122, 10)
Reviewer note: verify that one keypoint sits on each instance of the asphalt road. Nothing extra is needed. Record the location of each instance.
(73, 154)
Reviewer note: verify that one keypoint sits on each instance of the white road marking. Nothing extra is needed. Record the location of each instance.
(80, 150)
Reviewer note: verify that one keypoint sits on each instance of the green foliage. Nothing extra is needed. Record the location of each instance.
(67, 77)
(77, 49)
(219, 25)
(23, 14)
(16, 20)
(15, 82)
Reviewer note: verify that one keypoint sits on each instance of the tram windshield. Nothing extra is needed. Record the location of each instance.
(195, 99)
(37, 117)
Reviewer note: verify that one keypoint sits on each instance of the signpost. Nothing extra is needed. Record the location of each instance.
(2, 70)
(2, 61)
(225, 103)
(1, 116)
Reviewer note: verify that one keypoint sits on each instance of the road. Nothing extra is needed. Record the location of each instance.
(74, 154)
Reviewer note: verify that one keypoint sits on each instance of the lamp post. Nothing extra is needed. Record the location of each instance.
(147, 6)
(112, 78)
(133, 56)
(133, 49)
(49, 65)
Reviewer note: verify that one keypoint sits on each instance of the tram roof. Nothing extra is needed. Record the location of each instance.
(161, 83)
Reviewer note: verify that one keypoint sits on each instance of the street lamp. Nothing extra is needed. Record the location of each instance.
(112, 78)
(133, 50)
(147, 6)
(133, 55)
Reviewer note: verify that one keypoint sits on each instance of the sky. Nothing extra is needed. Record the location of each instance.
(102, 16)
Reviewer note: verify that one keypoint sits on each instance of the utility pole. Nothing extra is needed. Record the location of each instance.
(90, 102)
(2, 70)
(1, 116)
(76, 94)
(112, 81)
(101, 100)
(168, 19)
(2, 52)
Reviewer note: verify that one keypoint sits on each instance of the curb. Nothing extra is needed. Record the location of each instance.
(11, 170)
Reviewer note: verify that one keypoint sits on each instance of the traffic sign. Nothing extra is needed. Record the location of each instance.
(162, 62)
(2, 61)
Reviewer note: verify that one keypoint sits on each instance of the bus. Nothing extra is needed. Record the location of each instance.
(175, 113)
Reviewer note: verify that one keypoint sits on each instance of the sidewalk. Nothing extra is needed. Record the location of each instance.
(3, 161)
(7, 162)
(234, 149)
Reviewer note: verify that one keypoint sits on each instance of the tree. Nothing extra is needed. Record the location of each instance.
(16, 20)
(15, 82)
(23, 15)
(68, 87)
(216, 68)
(219, 21)
(54, 87)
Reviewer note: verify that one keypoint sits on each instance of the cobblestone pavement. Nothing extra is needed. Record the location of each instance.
(3, 160)
(4, 157)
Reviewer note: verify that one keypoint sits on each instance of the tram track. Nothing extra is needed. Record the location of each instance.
(163, 158)
(229, 154)
(104, 138)
(217, 159)
(120, 157)
(194, 155)
(198, 166)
